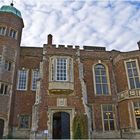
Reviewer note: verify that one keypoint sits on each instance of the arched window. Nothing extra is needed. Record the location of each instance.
(101, 80)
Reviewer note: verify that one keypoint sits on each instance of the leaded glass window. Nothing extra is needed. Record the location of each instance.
(101, 80)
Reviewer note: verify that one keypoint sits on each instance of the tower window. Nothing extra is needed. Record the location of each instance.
(2, 30)
(3, 89)
(133, 74)
(7, 65)
(22, 80)
(13, 33)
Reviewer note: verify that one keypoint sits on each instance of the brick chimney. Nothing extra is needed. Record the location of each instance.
(50, 39)
(138, 44)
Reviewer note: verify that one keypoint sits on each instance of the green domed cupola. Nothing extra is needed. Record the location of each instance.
(10, 9)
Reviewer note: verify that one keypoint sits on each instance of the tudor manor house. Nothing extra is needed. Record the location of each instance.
(63, 91)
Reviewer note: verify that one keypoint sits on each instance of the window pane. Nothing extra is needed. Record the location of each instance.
(138, 122)
(5, 90)
(105, 89)
(133, 75)
(112, 127)
(136, 104)
(99, 66)
(13, 33)
(22, 79)
(128, 64)
(97, 72)
(111, 115)
(133, 64)
(61, 69)
(98, 89)
(137, 113)
(132, 84)
(106, 126)
(2, 88)
(105, 108)
(35, 77)
(24, 121)
(137, 82)
(2, 30)
(135, 72)
(109, 107)
(130, 74)
(105, 115)
(104, 79)
(103, 72)
(98, 79)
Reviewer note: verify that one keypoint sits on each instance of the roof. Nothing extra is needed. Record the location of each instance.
(10, 9)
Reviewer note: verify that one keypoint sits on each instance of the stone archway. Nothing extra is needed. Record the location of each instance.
(61, 125)
(1, 128)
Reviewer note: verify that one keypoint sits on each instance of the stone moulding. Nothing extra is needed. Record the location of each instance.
(128, 94)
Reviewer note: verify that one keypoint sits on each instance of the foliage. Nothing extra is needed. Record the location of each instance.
(80, 127)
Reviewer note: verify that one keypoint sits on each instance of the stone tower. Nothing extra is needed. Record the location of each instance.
(11, 25)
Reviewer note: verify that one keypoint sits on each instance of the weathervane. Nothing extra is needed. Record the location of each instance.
(12, 3)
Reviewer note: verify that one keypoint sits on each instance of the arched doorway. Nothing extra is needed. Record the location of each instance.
(61, 125)
(1, 128)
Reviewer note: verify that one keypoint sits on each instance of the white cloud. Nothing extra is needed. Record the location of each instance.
(110, 23)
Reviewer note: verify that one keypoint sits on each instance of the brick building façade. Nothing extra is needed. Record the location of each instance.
(63, 91)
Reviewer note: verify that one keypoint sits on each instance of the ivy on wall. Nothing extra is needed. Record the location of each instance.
(80, 127)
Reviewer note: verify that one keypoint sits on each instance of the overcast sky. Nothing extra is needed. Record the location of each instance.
(114, 24)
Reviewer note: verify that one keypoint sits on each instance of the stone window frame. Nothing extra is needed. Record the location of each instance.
(135, 113)
(34, 79)
(108, 79)
(1, 25)
(7, 65)
(27, 74)
(6, 88)
(138, 70)
(13, 36)
(114, 117)
(69, 69)
(29, 121)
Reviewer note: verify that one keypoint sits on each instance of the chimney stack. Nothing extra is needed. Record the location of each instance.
(50, 39)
